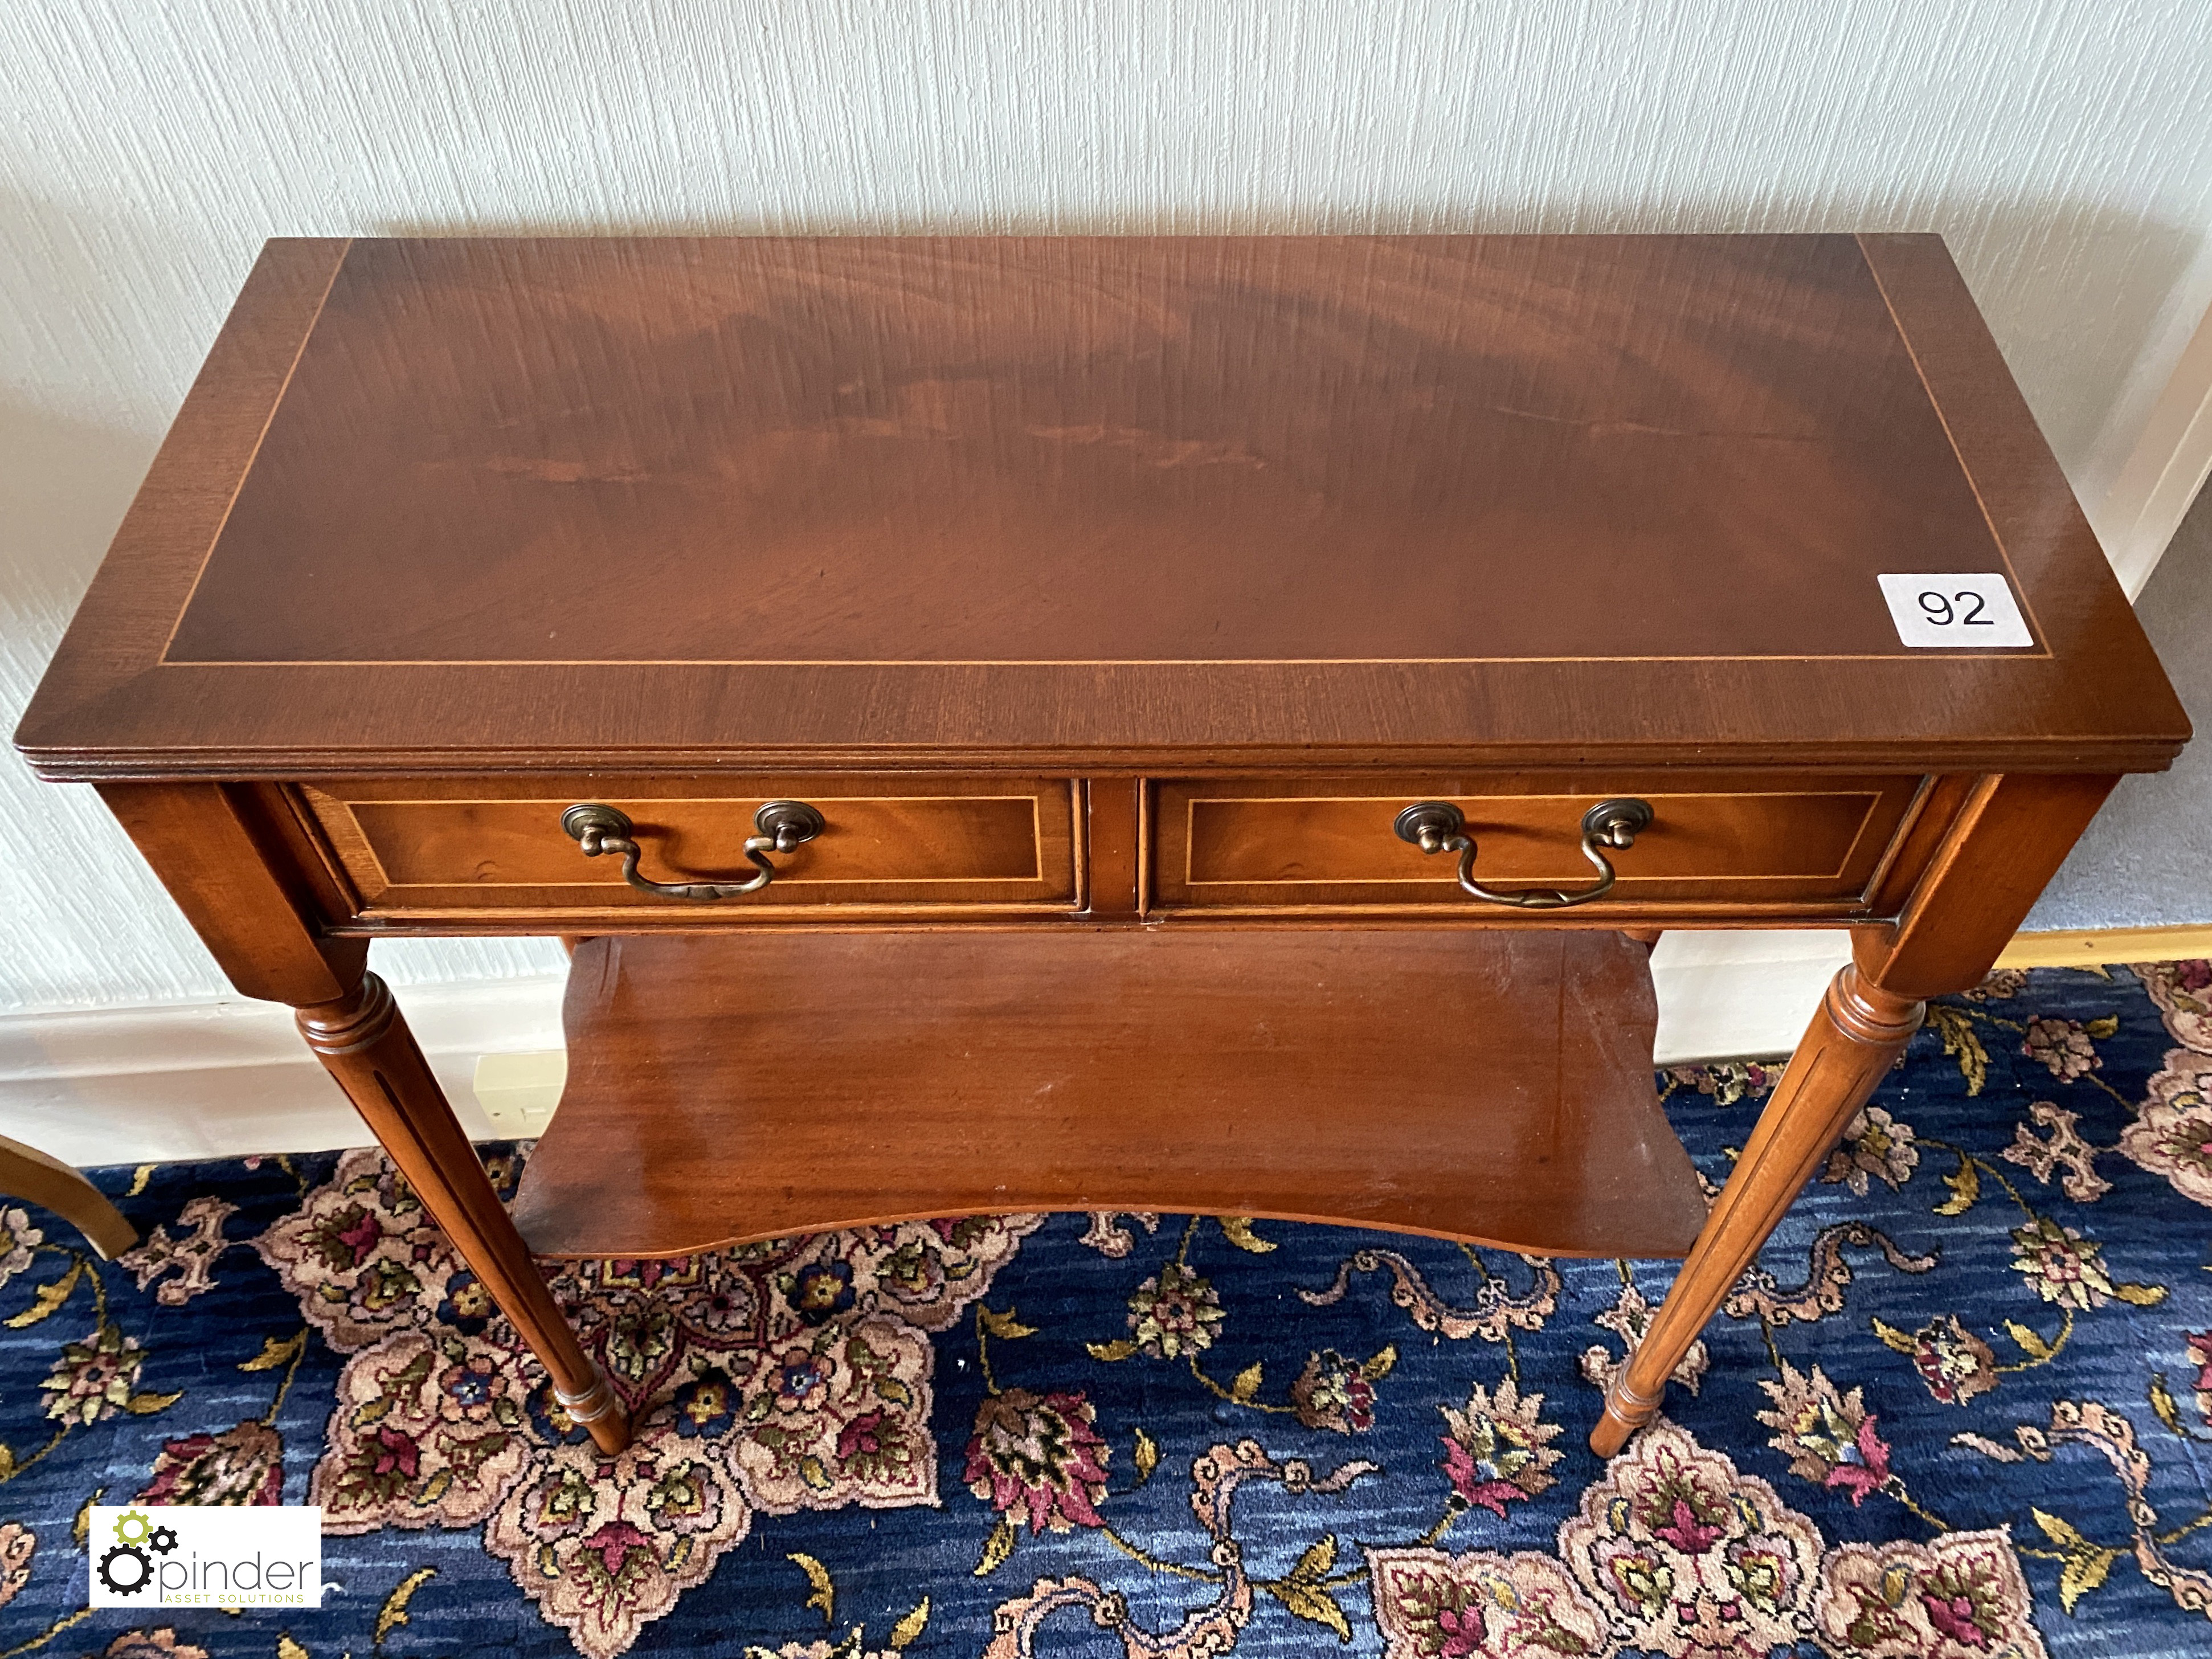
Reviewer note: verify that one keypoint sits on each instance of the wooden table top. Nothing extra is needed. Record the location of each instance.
(441, 505)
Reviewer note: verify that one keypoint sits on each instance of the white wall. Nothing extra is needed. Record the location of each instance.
(2064, 146)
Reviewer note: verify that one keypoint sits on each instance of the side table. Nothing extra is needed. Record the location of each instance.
(1228, 695)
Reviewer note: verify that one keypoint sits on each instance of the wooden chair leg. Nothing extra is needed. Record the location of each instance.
(1855, 1036)
(28, 1173)
(366, 1045)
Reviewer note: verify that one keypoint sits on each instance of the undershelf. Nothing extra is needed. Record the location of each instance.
(1489, 1086)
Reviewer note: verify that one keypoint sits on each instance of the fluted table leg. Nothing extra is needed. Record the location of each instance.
(1854, 1038)
(366, 1045)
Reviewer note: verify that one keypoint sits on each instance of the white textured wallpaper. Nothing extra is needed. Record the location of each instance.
(2064, 146)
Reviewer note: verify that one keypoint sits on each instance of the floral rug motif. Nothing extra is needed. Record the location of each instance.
(1962, 1406)
(774, 1378)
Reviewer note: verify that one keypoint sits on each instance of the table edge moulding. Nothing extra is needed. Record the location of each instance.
(965, 697)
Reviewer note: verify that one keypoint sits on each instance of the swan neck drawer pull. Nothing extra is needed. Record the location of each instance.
(783, 826)
(1437, 826)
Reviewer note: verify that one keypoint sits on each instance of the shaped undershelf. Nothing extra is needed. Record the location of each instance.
(1491, 1086)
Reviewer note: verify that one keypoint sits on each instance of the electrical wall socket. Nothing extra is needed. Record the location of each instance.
(519, 1093)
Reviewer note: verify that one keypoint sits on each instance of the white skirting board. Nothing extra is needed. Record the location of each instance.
(1730, 994)
(221, 1080)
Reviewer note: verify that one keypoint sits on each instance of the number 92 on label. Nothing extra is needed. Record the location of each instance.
(1969, 610)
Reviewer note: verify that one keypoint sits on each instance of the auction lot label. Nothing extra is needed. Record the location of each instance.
(175, 1555)
(1964, 610)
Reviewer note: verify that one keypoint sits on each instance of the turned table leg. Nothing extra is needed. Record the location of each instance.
(2005, 837)
(366, 1045)
(1857, 1034)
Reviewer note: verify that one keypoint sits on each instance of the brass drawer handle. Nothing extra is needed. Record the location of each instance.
(1437, 826)
(783, 825)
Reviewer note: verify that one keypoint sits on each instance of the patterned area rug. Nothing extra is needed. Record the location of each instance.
(1962, 1407)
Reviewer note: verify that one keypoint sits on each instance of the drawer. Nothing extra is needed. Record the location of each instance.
(1788, 844)
(439, 847)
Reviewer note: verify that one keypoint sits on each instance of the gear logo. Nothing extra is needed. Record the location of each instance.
(126, 1569)
(150, 1555)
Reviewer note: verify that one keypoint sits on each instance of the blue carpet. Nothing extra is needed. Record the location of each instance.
(1962, 1407)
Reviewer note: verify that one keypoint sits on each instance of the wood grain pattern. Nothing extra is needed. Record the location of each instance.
(239, 883)
(891, 844)
(1115, 838)
(1495, 1087)
(1117, 431)
(1311, 844)
(1071, 504)
(1927, 821)
(2007, 841)
(1149, 575)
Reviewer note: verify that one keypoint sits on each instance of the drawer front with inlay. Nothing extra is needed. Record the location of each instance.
(875, 844)
(1785, 844)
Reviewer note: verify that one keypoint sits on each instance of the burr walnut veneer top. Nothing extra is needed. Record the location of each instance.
(442, 504)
